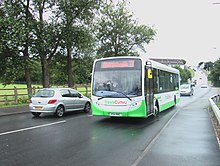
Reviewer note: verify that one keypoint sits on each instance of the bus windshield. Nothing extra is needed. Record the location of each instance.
(117, 78)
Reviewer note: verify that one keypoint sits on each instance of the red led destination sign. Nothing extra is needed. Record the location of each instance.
(113, 64)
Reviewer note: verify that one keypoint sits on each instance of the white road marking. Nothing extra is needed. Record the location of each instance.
(30, 128)
(149, 146)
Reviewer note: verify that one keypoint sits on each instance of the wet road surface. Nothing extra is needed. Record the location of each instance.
(80, 139)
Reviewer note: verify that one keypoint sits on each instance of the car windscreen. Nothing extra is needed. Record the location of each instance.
(185, 87)
(44, 93)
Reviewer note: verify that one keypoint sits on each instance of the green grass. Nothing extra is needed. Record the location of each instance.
(22, 99)
(17, 86)
(9, 90)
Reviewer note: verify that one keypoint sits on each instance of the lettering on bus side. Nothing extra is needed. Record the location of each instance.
(115, 102)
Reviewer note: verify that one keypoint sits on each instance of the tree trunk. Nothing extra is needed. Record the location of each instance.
(26, 55)
(45, 72)
(69, 67)
(27, 71)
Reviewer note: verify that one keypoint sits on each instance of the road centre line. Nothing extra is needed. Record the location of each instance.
(30, 128)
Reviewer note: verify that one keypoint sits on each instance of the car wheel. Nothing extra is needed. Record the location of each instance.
(59, 111)
(36, 114)
(87, 107)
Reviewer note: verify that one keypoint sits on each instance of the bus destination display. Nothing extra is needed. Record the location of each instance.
(115, 64)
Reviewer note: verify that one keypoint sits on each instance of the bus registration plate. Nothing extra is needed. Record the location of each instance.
(115, 114)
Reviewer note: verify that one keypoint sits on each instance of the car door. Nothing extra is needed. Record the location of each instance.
(67, 99)
(79, 102)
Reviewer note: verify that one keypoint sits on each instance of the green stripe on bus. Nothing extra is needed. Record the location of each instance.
(166, 106)
(137, 112)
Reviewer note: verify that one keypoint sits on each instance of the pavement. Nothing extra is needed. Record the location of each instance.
(189, 139)
(14, 110)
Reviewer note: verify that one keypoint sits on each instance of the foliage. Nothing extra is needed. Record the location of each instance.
(208, 66)
(12, 41)
(215, 73)
(83, 68)
(22, 100)
(76, 16)
(45, 48)
(118, 33)
(185, 74)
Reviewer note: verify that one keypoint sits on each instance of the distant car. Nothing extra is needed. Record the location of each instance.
(204, 86)
(58, 101)
(193, 84)
(186, 89)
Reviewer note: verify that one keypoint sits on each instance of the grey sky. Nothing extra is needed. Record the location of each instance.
(186, 29)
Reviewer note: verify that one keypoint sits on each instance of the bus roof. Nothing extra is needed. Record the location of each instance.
(161, 66)
(154, 64)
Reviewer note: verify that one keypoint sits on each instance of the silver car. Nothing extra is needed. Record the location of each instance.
(186, 89)
(58, 101)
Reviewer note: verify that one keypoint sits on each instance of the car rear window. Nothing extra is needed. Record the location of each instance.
(45, 93)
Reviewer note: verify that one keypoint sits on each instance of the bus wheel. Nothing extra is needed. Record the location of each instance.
(174, 100)
(156, 111)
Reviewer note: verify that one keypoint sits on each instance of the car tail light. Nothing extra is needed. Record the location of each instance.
(29, 101)
(52, 101)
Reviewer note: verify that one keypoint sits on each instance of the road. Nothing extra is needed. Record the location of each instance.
(81, 139)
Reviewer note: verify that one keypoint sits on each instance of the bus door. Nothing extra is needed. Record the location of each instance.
(149, 93)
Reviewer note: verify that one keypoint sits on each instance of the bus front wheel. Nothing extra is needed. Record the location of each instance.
(156, 111)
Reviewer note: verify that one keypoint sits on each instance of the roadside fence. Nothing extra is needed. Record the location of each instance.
(214, 102)
(20, 95)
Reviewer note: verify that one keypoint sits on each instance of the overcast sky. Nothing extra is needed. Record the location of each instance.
(186, 29)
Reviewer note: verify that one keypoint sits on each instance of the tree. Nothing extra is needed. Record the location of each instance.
(83, 74)
(208, 66)
(185, 74)
(215, 73)
(15, 32)
(47, 37)
(76, 17)
(118, 33)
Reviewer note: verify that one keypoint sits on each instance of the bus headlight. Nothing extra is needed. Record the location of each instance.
(135, 104)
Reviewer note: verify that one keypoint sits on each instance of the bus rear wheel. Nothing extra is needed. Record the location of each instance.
(174, 100)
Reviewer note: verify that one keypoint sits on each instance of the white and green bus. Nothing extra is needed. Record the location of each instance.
(133, 87)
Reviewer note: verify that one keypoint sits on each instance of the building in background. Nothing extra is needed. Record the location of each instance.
(171, 62)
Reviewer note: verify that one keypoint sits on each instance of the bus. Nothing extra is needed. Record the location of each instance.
(132, 87)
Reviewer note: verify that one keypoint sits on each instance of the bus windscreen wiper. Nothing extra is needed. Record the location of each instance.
(122, 93)
(101, 97)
